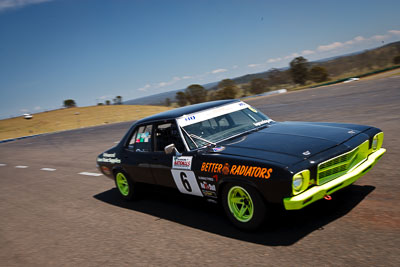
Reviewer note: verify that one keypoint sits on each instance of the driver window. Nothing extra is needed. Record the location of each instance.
(141, 139)
(166, 134)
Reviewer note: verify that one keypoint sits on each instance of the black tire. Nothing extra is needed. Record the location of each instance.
(125, 187)
(249, 203)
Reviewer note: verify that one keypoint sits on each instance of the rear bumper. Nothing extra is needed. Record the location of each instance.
(317, 192)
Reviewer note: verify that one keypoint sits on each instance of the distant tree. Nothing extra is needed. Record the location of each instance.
(69, 103)
(299, 70)
(168, 102)
(196, 93)
(276, 77)
(118, 100)
(396, 60)
(226, 83)
(181, 98)
(258, 86)
(100, 104)
(227, 90)
(108, 102)
(318, 74)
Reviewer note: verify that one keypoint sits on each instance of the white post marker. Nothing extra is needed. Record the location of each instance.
(21, 167)
(2, 164)
(90, 174)
(48, 169)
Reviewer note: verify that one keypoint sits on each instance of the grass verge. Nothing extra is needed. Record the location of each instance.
(72, 118)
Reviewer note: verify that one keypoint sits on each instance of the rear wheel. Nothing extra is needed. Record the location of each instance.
(243, 205)
(125, 186)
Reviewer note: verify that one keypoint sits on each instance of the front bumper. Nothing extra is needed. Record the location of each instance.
(317, 192)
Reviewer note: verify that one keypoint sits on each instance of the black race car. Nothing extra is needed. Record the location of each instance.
(230, 152)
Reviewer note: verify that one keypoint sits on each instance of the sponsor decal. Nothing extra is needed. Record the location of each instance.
(190, 118)
(109, 158)
(211, 179)
(253, 109)
(143, 137)
(218, 149)
(215, 177)
(306, 153)
(206, 178)
(182, 163)
(209, 193)
(240, 170)
(207, 186)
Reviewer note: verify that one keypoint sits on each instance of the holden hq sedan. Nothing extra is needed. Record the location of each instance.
(230, 152)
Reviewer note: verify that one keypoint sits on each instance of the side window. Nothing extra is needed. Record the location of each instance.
(166, 134)
(141, 139)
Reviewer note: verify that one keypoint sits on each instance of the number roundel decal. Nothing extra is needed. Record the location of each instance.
(186, 182)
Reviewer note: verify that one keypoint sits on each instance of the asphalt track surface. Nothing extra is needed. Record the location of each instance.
(53, 215)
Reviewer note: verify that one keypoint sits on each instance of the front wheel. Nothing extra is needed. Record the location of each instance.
(125, 186)
(243, 205)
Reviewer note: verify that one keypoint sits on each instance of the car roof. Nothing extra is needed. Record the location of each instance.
(179, 112)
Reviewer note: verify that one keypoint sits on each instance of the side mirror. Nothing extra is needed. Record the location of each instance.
(171, 149)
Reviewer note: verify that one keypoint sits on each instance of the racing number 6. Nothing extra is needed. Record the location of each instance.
(185, 182)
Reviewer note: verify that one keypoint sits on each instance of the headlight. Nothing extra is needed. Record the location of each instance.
(377, 141)
(300, 181)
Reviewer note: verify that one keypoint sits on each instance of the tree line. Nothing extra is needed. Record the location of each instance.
(70, 103)
(299, 71)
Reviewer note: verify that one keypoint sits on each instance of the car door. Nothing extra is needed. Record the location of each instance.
(138, 154)
(164, 134)
(171, 170)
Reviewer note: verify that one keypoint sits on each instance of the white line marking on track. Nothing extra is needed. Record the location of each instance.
(90, 174)
(21, 167)
(48, 169)
(2, 164)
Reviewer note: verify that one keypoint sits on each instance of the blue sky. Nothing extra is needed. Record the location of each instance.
(94, 50)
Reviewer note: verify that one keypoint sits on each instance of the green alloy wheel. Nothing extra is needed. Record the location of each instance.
(124, 185)
(240, 204)
(244, 206)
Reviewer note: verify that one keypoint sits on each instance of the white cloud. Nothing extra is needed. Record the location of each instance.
(162, 84)
(254, 65)
(235, 67)
(144, 88)
(105, 97)
(355, 40)
(7, 4)
(394, 32)
(329, 47)
(273, 60)
(186, 77)
(307, 52)
(379, 37)
(24, 110)
(293, 55)
(37, 108)
(219, 71)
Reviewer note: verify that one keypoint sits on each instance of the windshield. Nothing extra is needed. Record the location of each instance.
(215, 129)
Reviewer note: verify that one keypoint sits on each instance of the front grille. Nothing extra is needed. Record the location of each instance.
(337, 166)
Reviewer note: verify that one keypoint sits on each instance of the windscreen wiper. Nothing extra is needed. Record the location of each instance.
(202, 139)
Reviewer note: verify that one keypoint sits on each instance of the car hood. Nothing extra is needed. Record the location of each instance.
(289, 142)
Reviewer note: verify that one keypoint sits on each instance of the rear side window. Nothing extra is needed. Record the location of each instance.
(141, 139)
